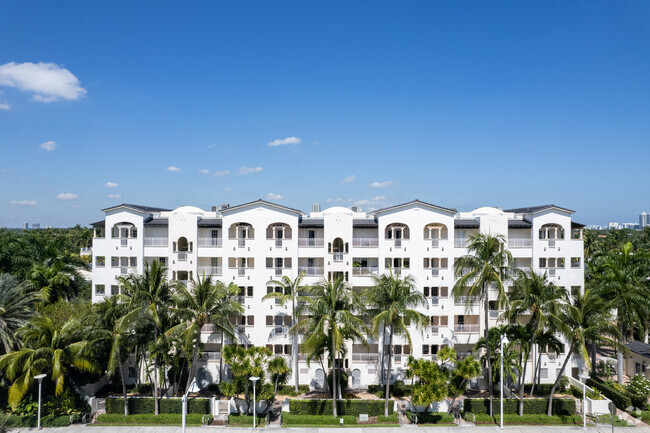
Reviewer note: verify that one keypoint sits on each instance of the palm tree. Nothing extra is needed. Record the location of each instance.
(391, 301)
(586, 317)
(54, 281)
(547, 339)
(331, 312)
(622, 278)
(207, 303)
(16, 308)
(484, 268)
(291, 295)
(538, 298)
(149, 295)
(46, 349)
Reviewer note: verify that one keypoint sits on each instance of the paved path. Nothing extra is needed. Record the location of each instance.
(413, 429)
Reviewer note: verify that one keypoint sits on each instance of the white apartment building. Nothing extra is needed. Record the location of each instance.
(254, 243)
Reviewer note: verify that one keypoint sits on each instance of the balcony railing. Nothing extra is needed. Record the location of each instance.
(311, 242)
(278, 243)
(460, 242)
(123, 270)
(211, 356)
(435, 300)
(398, 243)
(365, 242)
(210, 270)
(471, 328)
(278, 271)
(241, 242)
(210, 242)
(520, 243)
(338, 257)
(465, 300)
(311, 271)
(241, 271)
(434, 329)
(551, 243)
(365, 357)
(156, 242)
(366, 271)
(435, 272)
(551, 272)
(182, 256)
(494, 314)
(124, 241)
(241, 329)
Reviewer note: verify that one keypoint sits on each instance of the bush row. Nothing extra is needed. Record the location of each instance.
(149, 419)
(166, 405)
(397, 389)
(645, 415)
(291, 392)
(561, 406)
(32, 421)
(538, 419)
(620, 398)
(433, 418)
(245, 420)
(343, 407)
(290, 419)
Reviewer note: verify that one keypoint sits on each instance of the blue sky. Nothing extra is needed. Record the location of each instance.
(462, 104)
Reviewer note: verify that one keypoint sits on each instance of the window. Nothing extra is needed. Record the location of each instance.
(425, 349)
(269, 320)
(560, 262)
(278, 349)
(214, 234)
(543, 373)
(162, 261)
(249, 291)
(132, 372)
(575, 262)
(133, 262)
(115, 262)
(100, 261)
(287, 349)
(542, 262)
(214, 261)
(100, 289)
(426, 291)
(250, 320)
(115, 290)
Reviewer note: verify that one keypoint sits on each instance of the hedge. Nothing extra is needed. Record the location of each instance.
(433, 418)
(144, 405)
(344, 407)
(290, 419)
(620, 398)
(561, 406)
(645, 415)
(245, 420)
(16, 421)
(149, 419)
(538, 419)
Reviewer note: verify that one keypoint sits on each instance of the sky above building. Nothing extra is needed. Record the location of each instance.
(368, 103)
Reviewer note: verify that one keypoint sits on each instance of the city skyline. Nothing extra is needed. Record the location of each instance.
(367, 104)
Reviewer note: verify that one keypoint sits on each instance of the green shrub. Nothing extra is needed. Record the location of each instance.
(433, 418)
(344, 407)
(645, 415)
(397, 389)
(245, 420)
(290, 419)
(16, 421)
(620, 398)
(639, 390)
(394, 418)
(290, 391)
(149, 419)
(483, 418)
(543, 389)
(538, 419)
(166, 405)
(561, 406)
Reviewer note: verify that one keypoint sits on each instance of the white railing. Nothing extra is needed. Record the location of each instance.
(210, 242)
(278, 271)
(278, 243)
(86, 252)
(338, 257)
(124, 241)
(460, 242)
(435, 242)
(123, 270)
(435, 272)
(311, 242)
(211, 356)
(435, 300)
(593, 407)
(210, 270)
(311, 271)
(520, 243)
(494, 314)
(156, 242)
(551, 243)
(365, 357)
(551, 272)
(471, 328)
(465, 300)
(241, 242)
(434, 329)
(241, 271)
(365, 242)
(398, 243)
(182, 256)
(366, 271)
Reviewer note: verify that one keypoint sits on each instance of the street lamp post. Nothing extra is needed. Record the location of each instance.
(184, 403)
(254, 379)
(504, 340)
(40, 378)
(583, 378)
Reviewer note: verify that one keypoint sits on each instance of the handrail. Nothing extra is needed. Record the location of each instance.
(413, 418)
(206, 419)
(470, 417)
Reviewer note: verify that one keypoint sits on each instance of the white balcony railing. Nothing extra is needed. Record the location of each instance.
(124, 241)
(435, 300)
(156, 242)
(551, 272)
(210, 242)
(338, 257)
(366, 271)
(471, 328)
(520, 243)
(494, 314)
(551, 243)
(123, 270)
(278, 243)
(241, 271)
(398, 243)
(460, 242)
(434, 329)
(365, 357)
(210, 270)
(211, 356)
(365, 242)
(311, 271)
(278, 271)
(465, 300)
(241, 242)
(435, 272)
(311, 242)
(182, 256)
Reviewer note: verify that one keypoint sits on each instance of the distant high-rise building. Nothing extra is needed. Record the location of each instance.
(644, 220)
(36, 225)
(25, 226)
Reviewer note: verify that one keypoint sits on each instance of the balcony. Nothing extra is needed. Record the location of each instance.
(210, 270)
(365, 357)
(397, 243)
(551, 272)
(338, 257)
(311, 242)
(156, 242)
(466, 300)
(182, 256)
(520, 243)
(365, 242)
(211, 356)
(311, 271)
(124, 241)
(471, 328)
(435, 243)
(461, 242)
(494, 314)
(278, 331)
(434, 329)
(241, 271)
(435, 272)
(241, 242)
(278, 271)
(210, 242)
(240, 329)
(435, 300)
(367, 271)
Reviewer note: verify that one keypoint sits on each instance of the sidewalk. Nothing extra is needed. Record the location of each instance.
(482, 429)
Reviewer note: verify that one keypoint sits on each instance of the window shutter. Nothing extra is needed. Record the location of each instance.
(269, 320)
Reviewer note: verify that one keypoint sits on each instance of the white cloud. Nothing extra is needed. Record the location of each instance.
(67, 196)
(24, 202)
(335, 200)
(48, 81)
(371, 201)
(173, 169)
(222, 173)
(210, 146)
(5, 106)
(204, 171)
(246, 170)
(282, 142)
(114, 196)
(271, 196)
(48, 145)
(381, 184)
(111, 185)
(349, 179)
(227, 189)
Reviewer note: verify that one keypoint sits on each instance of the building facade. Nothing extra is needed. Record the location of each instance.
(254, 243)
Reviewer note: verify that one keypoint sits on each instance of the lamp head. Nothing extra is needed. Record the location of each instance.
(254, 378)
(504, 339)
(40, 377)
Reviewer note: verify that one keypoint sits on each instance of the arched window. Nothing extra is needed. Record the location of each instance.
(551, 232)
(435, 232)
